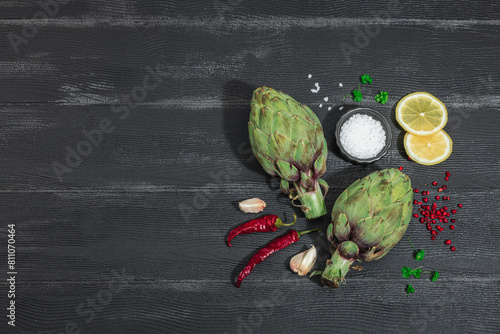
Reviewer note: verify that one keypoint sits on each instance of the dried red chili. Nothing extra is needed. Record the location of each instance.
(274, 246)
(269, 223)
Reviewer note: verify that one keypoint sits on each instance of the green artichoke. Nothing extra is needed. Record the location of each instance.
(368, 220)
(287, 139)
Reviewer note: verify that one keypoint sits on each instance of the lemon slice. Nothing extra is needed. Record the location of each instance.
(421, 114)
(428, 150)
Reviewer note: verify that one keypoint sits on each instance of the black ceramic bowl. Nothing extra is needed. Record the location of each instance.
(375, 115)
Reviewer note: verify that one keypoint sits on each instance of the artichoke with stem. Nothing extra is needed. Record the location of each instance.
(368, 220)
(287, 139)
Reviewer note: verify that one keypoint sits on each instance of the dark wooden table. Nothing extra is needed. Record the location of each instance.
(124, 151)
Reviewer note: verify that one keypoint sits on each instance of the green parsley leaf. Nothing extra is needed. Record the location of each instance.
(416, 273)
(365, 78)
(435, 276)
(409, 289)
(382, 97)
(406, 272)
(420, 255)
(357, 96)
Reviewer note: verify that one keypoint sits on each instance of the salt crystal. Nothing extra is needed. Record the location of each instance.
(309, 76)
(341, 107)
(314, 90)
(321, 105)
(362, 136)
(341, 85)
(316, 84)
(329, 108)
(326, 99)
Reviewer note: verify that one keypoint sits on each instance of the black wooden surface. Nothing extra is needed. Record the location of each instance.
(153, 202)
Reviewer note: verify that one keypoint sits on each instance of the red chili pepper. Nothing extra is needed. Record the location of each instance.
(275, 245)
(269, 223)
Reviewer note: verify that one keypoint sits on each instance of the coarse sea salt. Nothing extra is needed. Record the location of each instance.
(362, 136)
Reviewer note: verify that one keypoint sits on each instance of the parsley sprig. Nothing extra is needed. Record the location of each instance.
(356, 95)
(419, 256)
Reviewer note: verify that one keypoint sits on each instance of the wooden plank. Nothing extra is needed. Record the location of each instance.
(358, 307)
(295, 9)
(187, 150)
(200, 65)
(80, 237)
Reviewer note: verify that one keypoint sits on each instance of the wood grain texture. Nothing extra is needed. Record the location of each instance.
(204, 65)
(150, 151)
(239, 9)
(154, 200)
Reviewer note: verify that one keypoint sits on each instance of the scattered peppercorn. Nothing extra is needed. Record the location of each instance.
(447, 242)
(453, 248)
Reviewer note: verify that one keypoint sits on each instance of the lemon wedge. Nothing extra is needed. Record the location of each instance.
(421, 114)
(428, 150)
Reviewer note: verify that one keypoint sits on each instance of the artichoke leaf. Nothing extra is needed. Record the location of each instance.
(400, 187)
(266, 164)
(299, 131)
(366, 255)
(285, 186)
(260, 140)
(329, 232)
(339, 205)
(303, 155)
(284, 146)
(357, 206)
(368, 232)
(341, 228)
(392, 215)
(320, 166)
(389, 242)
(380, 195)
(379, 176)
(407, 201)
(265, 120)
(348, 250)
(307, 182)
(281, 124)
(287, 171)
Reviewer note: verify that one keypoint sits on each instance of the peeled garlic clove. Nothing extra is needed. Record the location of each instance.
(302, 263)
(252, 205)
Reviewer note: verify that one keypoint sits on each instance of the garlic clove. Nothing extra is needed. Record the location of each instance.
(295, 262)
(252, 205)
(302, 263)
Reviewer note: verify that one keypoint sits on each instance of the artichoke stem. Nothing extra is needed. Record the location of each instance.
(336, 269)
(312, 202)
